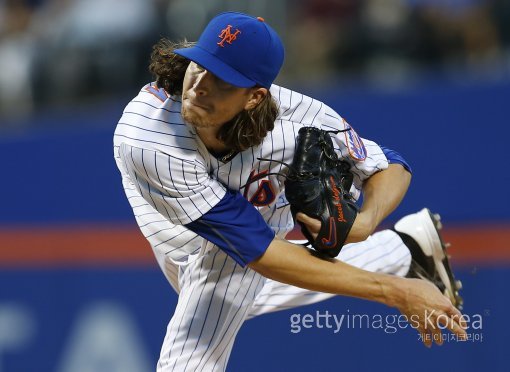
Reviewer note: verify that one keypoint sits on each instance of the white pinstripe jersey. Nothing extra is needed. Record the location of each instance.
(170, 178)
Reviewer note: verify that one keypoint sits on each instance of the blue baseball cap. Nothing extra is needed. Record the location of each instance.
(240, 49)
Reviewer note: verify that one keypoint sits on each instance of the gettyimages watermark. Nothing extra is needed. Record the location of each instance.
(388, 323)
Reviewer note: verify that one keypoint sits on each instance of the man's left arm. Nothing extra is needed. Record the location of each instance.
(382, 193)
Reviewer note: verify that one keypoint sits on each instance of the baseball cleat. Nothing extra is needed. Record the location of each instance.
(421, 233)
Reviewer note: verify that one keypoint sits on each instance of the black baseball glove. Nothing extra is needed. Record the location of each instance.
(318, 185)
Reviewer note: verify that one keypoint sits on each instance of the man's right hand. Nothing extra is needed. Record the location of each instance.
(428, 310)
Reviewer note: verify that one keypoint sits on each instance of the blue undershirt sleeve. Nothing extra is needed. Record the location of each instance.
(395, 158)
(236, 227)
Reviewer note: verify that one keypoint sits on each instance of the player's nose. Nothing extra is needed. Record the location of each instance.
(203, 82)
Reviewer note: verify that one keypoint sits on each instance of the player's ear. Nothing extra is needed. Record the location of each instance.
(257, 94)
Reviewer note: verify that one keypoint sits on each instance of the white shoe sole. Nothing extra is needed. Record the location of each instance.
(424, 227)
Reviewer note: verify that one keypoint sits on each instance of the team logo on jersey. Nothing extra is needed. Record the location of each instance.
(355, 145)
(264, 195)
(227, 35)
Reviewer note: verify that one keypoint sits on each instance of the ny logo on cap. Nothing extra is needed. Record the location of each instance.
(227, 35)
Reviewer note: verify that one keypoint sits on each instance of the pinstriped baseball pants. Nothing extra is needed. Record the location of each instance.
(216, 296)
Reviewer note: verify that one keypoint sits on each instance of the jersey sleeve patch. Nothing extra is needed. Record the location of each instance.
(159, 93)
(355, 145)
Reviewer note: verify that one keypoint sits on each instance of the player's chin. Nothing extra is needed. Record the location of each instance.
(192, 117)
